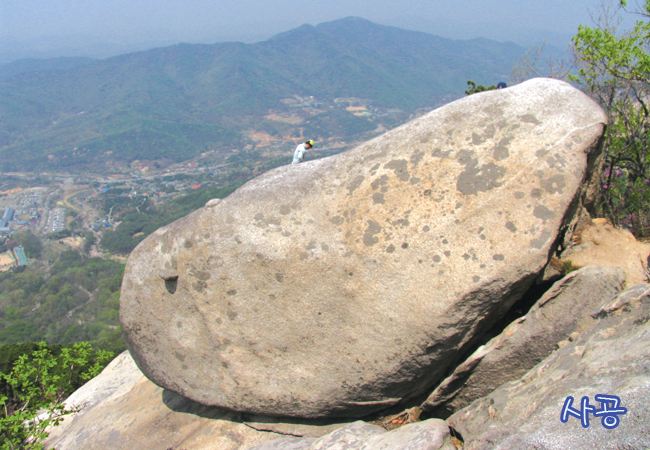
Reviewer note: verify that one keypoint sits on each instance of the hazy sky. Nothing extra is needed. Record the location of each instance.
(205, 21)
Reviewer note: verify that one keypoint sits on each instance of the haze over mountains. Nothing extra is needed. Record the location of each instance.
(173, 103)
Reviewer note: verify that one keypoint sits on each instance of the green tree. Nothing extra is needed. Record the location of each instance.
(474, 88)
(36, 388)
(615, 69)
(30, 242)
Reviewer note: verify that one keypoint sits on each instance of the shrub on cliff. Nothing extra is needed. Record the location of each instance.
(35, 390)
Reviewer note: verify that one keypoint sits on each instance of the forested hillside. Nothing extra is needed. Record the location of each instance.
(172, 104)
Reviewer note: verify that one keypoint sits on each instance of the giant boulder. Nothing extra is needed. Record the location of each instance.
(342, 286)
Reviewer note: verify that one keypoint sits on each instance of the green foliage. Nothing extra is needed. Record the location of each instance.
(69, 302)
(473, 88)
(615, 69)
(35, 390)
(137, 224)
(30, 243)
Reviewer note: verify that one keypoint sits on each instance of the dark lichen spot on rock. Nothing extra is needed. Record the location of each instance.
(390, 248)
(355, 183)
(476, 179)
(399, 166)
(285, 209)
(381, 181)
(498, 257)
(483, 237)
(464, 157)
(416, 158)
(279, 277)
(232, 315)
(466, 256)
(325, 247)
(458, 205)
(179, 356)
(338, 220)
(529, 118)
(447, 253)
(541, 153)
(542, 212)
(445, 241)
(554, 184)
(541, 240)
(369, 238)
(536, 193)
(511, 226)
(501, 150)
(200, 274)
(188, 243)
(348, 254)
(437, 259)
(400, 222)
(551, 162)
(480, 230)
(414, 180)
(304, 255)
(426, 228)
(259, 216)
(232, 292)
(179, 324)
(405, 245)
(427, 193)
(274, 221)
(489, 132)
(519, 195)
(439, 153)
(577, 139)
(311, 245)
(375, 167)
(378, 198)
(476, 278)
(200, 286)
(476, 139)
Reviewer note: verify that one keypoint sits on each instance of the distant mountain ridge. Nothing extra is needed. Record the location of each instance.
(174, 103)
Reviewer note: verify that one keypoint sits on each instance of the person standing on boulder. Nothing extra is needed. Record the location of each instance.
(299, 153)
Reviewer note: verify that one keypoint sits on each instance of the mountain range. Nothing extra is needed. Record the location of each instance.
(174, 103)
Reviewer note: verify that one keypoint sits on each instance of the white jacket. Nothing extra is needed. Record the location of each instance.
(299, 154)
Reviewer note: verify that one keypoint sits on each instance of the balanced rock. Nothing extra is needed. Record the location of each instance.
(345, 285)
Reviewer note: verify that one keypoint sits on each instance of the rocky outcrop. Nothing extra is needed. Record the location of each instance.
(122, 409)
(561, 314)
(345, 285)
(432, 434)
(609, 358)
